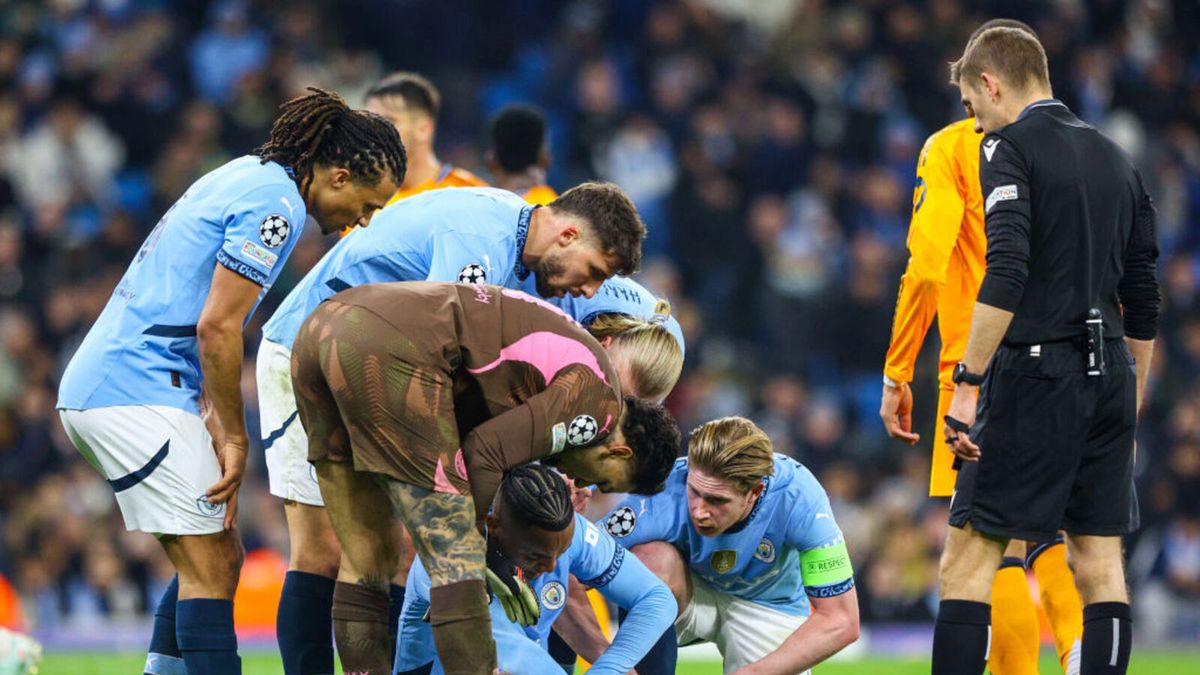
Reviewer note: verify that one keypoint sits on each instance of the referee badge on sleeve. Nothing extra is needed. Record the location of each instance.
(1000, 193)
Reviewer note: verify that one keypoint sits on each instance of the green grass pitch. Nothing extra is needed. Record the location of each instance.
(261, 663)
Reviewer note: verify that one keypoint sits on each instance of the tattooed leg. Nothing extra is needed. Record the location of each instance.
(443, 532)
(362, 517)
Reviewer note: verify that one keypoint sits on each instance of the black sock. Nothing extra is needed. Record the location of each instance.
(303, 625)
(662, 657)
(1107, 639)
(961, 637)
(395, 606)
(561, 652)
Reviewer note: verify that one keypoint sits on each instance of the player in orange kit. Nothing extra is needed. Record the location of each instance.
(947, 247)
(411, 103)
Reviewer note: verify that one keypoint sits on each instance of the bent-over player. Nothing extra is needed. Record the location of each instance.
(419, 396)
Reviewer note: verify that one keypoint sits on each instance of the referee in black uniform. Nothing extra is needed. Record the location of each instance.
(1057, 356)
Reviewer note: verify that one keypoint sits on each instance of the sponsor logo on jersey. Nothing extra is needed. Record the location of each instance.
(989, 148)
(558, 438)
(259, 254)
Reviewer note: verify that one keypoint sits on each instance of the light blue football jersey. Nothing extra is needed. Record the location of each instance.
(595, 559)
(245, 215)
(759, 559)
(472, 235)
(617, 295)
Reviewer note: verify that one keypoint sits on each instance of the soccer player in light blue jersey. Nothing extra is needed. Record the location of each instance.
(534, 528)
(465, 235)
(746, 540)
(167, 349)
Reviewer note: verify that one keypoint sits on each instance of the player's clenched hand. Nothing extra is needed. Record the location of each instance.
(232, 458)
(518, 600)
(896, 412)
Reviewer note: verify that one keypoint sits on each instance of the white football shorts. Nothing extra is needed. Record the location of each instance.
(283, 438)
(743, 631)
(159, 461)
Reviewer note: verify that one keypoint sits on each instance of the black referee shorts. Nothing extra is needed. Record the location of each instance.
(1056, 446)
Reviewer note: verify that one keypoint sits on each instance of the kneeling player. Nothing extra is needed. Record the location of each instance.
(764, 571)
(533, 525)
(407, 389)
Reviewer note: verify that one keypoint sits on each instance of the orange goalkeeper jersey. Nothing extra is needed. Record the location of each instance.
(946, 245)
(449, 176)
(540, 194)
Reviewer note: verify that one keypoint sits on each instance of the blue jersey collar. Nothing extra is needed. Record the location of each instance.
(741, 525)
(1039, 104)
(519, 267)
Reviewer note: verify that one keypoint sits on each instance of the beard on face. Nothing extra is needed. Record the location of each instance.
(551, 265)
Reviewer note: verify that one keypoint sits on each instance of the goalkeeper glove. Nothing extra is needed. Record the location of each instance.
(503, 580)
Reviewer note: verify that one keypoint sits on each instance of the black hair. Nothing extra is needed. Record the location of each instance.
(537, 495)
(518, 136)
(416, 90)
(319, 128)
(654, 437)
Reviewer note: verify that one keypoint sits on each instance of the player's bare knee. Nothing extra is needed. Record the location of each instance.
(664, 561)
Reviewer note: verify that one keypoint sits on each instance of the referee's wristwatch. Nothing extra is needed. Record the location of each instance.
(963, 376)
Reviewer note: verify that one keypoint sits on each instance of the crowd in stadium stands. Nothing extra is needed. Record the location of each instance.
(771, 150)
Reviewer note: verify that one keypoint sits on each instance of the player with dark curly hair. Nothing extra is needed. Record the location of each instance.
(416, 398)
(169, 343)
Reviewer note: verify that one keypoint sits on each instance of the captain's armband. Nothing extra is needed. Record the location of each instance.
(826, 571)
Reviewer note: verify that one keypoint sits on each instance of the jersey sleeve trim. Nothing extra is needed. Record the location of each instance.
(832, 590)
(245, 269)
(618, 559)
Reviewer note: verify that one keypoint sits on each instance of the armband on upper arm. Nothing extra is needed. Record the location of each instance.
(826, 571)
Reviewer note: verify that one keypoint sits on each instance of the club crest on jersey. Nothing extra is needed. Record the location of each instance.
(582, 430)
(472, 274)
(722, 561)
(209, 509)
(765, 552)
(554, 596)
(274, 230)
(621, 522)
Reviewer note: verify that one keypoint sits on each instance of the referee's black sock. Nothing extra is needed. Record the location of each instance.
(1107, 639)
(961, 637)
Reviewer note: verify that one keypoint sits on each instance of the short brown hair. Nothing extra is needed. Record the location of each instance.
(613, 219)
(1011, 54)
(733, 449)
(416, 90)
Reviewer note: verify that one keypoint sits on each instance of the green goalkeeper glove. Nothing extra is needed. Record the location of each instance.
(519, 601)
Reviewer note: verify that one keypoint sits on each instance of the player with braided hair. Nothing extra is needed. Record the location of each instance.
(169, 343)
(533, 528)
(317, 134)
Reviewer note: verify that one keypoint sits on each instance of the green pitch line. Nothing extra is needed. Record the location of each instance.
(258, 663)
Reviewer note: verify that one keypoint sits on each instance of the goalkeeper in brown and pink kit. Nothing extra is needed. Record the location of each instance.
(416, 397)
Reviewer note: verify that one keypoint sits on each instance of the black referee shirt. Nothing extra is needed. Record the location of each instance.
(1069, 227)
